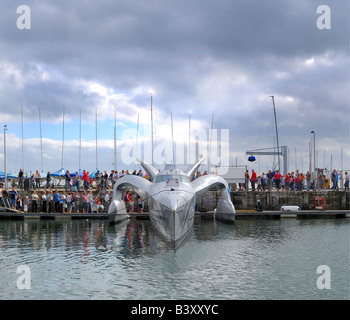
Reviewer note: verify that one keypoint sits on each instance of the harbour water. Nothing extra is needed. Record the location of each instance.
(251, 259)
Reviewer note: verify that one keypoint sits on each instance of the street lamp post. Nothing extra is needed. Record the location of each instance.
(314, 170)
(313, 132)
(5, 157)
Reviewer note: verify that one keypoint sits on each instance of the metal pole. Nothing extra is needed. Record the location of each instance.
(314, 138)
(22, 141)
(172, 137)
(80, 140)
(96, 134)
(278, 147)
(310, 157)
(115, 139)
(211, 134)
(62, 137)
(137, 136)
(189, 138)
(41, 143)
(152, 127)
(5, 156)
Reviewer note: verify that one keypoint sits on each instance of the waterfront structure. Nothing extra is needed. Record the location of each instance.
(171, 195)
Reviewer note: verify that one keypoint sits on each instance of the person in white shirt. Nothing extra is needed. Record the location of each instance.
(346, 184)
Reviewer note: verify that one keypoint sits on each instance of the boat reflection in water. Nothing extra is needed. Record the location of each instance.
(171, 197)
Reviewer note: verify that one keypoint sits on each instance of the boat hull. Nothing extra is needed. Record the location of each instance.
(173, 221)
(225, 211)
(117, 212)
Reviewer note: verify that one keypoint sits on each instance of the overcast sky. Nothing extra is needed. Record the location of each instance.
(222, 59)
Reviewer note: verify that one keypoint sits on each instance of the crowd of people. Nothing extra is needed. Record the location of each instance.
(75, 182)
(57, 202)
(295, 181)
(72, 200)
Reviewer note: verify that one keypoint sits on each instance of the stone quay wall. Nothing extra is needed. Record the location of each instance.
(246, 200)
(274, 200)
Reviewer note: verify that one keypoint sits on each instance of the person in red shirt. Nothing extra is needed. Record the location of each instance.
(277, 178)
(127, 200)
(85, 180)
(286, 179)
(253, 179)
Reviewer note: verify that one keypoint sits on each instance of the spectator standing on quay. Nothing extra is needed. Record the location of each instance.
(49, 201)
(286, 181)
(44, 200)
(77, 180)
(85, 200)
(115, 177)
(48, 180)
(122, 174)
(67, 178)
(35, 199)
(37, 179)
(26, 204)
(246, 179)
(85, 180)
(269, 177)
(107, 199)
(56, 201)
(334, 177)
(301, 181)
(1, 199)
(91, 199)
(346, 184)
(13, 195)
(69, 202)
(20, 179)
(140, 174)
(19, 203)
(63, 202)
(90, 182)
(105, 181)
(253, 179)
(337, 181)
(76, 198)
(98, 179)
(277, 178)
(308, 180)
(127, 201)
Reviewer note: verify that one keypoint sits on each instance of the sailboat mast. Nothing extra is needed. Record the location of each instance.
(152, 128)
(22, 141)
(172, 137)
(62, 137)
(80, 140)
(137, 136)
(115, 139)
(211, 134)
(189, 138)
(96, 134)
(278, 147)
(41, 143)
